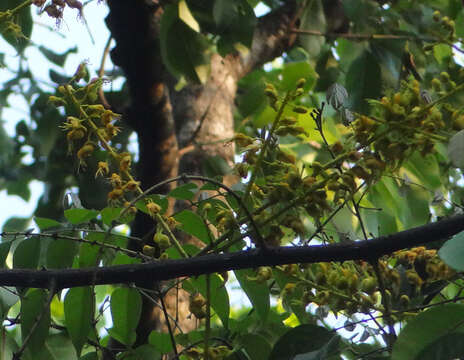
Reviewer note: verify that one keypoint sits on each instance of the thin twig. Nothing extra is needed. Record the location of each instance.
(168, 324)
(101, 72)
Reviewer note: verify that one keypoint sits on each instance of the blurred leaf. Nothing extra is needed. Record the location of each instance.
(61, 253)
(57, 347)
(57, 59)
(144, 352)
(89, 255)
(219, 297)
(194, 225)
(426, 169)
(250, 97)
(186, 16)
(8, 298)
(4, 251)
(182, 49)
(19, 187)
(23, 19)
(184, 192)
(33, 307)
(161, 341)
(16, 224)
(44, 223)
(452, 252)
(123, 259)
(292, 72)
(235, 21)
(442, 52)
(363, 81)
(436, 333)
(58, 78)
(258, 293)
(8, 345)
(300, 340)
(27, 253)
(256, 346)
(313, 19)
(109, 214)
(126, 307)
(80, 216)
(456, 149)
(79, 312)
(213, 166)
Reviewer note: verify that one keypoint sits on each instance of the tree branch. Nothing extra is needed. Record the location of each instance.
(272, 36)
(170, 269)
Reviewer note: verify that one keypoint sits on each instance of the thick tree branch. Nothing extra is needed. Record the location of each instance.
(170, 269)
(272, 36)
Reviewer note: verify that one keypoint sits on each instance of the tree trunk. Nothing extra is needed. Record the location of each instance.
(198, 118)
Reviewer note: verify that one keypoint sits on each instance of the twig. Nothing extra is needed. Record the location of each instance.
(168, 324)
(101, 72)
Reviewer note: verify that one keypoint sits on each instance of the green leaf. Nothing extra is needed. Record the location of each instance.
(456, 149)
(213, 166)
(56, 347)
(258, 293)
(219, 297)
(256, 346)
(78, 312)
(27, 253)
(144, 352)
(23, 19)
(313, 18)
(8, 298)
(8, 345)
(433, 334)
(89, 255)
(183, 49)
(186, 16)
(294, 71)
(251, 96)
(426, 169)
(44, 223)
(452, 252)
(109, 214)
(123, 259)
(194, 225)
(90, 356)
(14, 224)
(61, 253)
(19, 187)
(57, 59)
(184, 192)
(443, 53)
(363, 81)
(79, 216)
(33, 306)
(4, 251)
(126, 307)
(300, 340)
(161, 341)
(235, 22)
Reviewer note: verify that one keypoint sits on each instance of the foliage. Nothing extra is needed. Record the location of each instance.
(373, 161)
